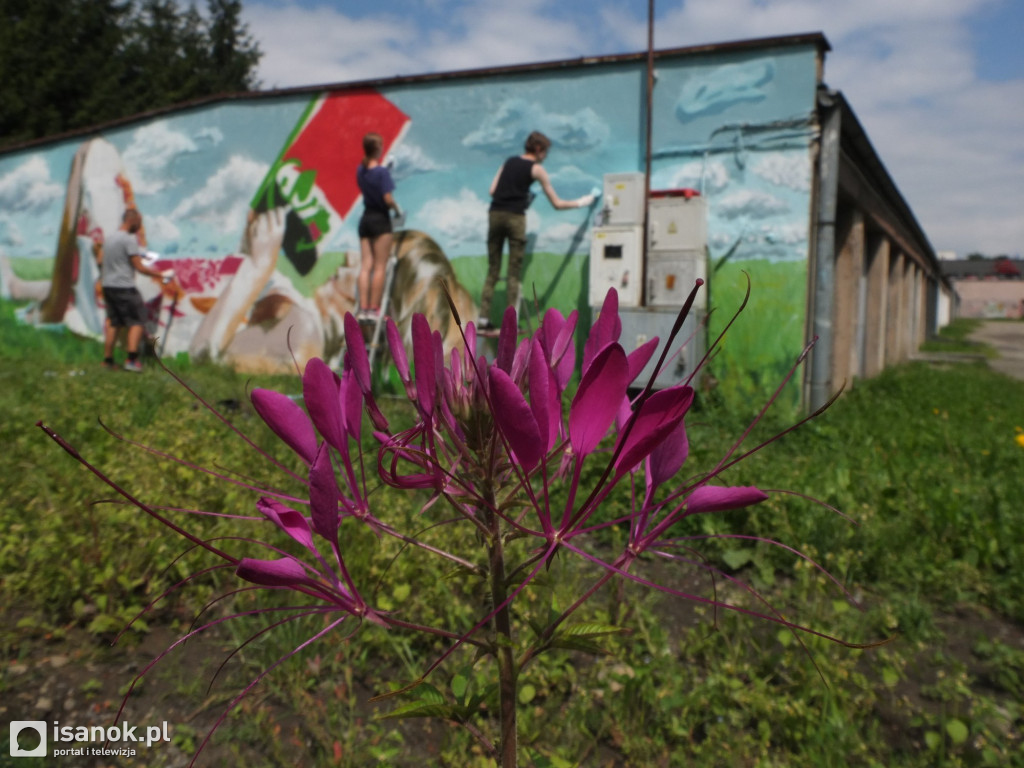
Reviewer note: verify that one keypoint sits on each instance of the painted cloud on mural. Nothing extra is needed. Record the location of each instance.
(509, 125)
(29, 188)
(751, 203)
(707, 177)
(150, 155)
(790, 170)
(570, 181)
(407, 160)
(713, 92)
(223, 201)
(453, 221)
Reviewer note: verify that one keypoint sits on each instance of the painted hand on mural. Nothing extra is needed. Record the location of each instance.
(261, 245)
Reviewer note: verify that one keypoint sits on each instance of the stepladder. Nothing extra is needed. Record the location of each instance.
(377, 333)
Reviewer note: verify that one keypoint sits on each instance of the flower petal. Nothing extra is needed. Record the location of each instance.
(288, 520)
(324, 495)
(352, 405)
(283, 572)
(516, 421)
(288, 420)
(713, 498)
(667, 458)
(398, 351)
(507, 337)
(424, 360)
(606, 329)
(658, 416)
(556, 335)
(355, 352)
(540, 384)
(321, 391)
(597, 400)
(640, 356)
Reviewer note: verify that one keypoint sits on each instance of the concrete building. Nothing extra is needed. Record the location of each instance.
(251, 199)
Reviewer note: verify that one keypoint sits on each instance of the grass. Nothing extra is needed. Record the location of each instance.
(924, 461)
(953, 338)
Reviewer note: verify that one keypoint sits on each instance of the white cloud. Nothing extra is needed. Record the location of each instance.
(410, 160)
(791, 170)
(162, 232)
(570, 182)
(147, 159)
(223, 202)
(308, 46)
(708, 178)
(748, 202)
(512, 121)
(788, 233)
(10, 233)
(453, 221)
(29, 187)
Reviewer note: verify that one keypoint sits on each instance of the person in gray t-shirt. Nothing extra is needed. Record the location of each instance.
(121, 259)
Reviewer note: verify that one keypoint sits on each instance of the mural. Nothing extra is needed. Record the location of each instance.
(253, 202)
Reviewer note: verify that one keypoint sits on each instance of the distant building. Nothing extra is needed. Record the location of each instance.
(987, 288)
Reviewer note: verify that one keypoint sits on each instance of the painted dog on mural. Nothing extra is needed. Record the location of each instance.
(261, 324)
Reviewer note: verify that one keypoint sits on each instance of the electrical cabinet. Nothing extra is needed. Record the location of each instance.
(672, 275)
(641, 324)
(623, 199)
(677, 223)
(615, 254)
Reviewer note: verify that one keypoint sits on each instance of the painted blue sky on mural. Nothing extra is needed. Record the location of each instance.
(939, 85)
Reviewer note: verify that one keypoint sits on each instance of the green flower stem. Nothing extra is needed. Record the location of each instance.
(503, 640)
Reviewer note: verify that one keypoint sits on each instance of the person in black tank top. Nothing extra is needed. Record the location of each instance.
(510, 197)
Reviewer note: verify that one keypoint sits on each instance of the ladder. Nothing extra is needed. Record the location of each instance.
(376, 338)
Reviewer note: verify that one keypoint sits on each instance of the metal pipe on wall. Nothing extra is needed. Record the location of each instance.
(821, 385)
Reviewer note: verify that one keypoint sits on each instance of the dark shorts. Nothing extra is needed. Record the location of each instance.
(374, 224)
(124, 307)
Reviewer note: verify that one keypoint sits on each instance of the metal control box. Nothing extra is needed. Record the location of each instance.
(678, 223)
(615, 255)
(672, 275)
(623, 199)
(641, 324)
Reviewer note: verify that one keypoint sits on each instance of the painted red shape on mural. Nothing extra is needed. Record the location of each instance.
(314, 177)
(331, 142)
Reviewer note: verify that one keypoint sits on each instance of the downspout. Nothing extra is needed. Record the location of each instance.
(821, 387)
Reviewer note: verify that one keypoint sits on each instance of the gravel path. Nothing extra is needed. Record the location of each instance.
(1008, 338)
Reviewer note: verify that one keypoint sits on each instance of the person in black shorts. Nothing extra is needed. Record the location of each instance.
(120, 259)
(375, 239)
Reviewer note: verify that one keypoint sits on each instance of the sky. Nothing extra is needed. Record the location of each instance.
(938, 85)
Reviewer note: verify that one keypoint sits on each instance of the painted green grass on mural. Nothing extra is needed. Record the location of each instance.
(763, 344)
(557, 280)
(32, 269)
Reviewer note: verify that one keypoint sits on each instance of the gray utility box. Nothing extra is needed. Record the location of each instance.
(640, 324)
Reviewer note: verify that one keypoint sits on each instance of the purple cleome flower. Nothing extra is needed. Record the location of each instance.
(494, 440)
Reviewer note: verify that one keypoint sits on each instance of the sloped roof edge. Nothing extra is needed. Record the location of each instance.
(816, 39)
